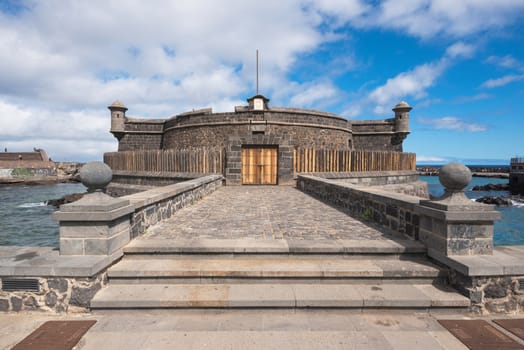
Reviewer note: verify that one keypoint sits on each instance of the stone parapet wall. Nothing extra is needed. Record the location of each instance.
(158, 204)
(281, 115)
(371, 178)
(393, 212)
(67, 283)
(152, 178)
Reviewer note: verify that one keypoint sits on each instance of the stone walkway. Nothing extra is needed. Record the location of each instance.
(262, 212)
(246, 329)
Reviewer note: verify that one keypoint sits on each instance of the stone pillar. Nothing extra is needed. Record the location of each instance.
(97, 224)
(454, 224)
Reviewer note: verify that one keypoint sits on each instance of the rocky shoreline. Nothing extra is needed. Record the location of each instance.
(506, 201)
(62, 172)
(496, 172)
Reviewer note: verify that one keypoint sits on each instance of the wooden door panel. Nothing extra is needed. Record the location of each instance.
(259, 166)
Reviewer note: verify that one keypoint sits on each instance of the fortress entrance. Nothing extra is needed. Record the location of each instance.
(259, 165)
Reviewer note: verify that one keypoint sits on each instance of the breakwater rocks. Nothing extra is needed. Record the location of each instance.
(68, 198)
(478, 171)
(492, 187)
(498, 201)
(517, 201)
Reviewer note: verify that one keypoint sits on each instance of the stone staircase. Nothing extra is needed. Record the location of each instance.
(164, 274)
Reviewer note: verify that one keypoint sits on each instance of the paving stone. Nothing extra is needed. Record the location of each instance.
(263, 213)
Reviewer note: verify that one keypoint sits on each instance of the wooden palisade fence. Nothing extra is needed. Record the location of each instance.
(191, 160)
(305, 160)
(309, 160)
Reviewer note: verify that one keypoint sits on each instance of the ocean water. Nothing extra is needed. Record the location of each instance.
(25, 219)
(507, 231)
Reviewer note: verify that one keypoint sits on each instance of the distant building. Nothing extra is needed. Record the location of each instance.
(516, 176)
(36, 159)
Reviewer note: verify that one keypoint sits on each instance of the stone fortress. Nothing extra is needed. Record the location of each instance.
(274, 131)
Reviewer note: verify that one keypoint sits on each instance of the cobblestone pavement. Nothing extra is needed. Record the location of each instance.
(262, 212)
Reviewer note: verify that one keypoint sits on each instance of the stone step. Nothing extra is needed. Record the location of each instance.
(219, 269)
(391, 245)
(362, 296)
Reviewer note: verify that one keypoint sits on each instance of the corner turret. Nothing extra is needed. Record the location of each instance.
(118, 116)
(402, 117)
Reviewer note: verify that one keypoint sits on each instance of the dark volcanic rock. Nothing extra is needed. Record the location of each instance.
(16, 303)
(492, 187)
(499, 201)
(68, 198)
(81, 296)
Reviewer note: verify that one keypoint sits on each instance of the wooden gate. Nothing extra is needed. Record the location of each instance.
(259, 165)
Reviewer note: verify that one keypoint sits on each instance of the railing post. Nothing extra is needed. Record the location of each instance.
(453, 224)
(97, 224)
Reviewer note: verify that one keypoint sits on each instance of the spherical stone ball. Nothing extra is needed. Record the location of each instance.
(454, 176)
(95, 175)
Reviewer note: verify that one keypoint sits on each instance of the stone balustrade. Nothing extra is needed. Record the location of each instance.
(93, 232)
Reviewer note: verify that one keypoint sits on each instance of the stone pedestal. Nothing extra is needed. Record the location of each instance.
(454, 224)
(97, 224)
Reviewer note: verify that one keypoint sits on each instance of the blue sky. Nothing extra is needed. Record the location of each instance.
(460, 64)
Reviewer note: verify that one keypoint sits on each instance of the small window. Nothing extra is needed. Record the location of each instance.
(258, 132)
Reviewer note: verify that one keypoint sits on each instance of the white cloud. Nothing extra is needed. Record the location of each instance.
(313, 93)
(498, 82)
(415, 82)
(63, 134)
(412, 83)
(64, 62)
(477, 97)
(460, 50)
(429, 18)
(452, 123)
(342, 10)
(506, 61)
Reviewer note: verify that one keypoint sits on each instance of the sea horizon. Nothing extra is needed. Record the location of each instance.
(470, 165)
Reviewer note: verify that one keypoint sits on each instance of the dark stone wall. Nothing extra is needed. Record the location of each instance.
(214, 130)
(377, 142)
(302, 128)
(218, 136)
(141, 134)
(377, 135)
(131, 142)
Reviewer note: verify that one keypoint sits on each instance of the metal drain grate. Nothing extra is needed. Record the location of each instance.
(521, 284)
(20, 284)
